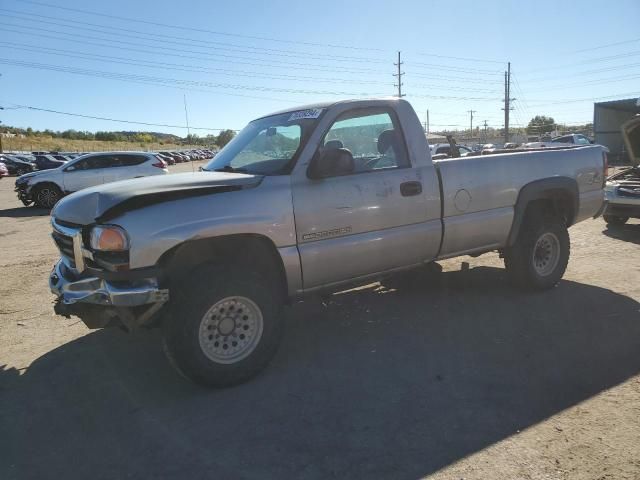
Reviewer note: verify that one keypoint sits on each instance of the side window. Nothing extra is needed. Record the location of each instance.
(372, 136)
(445, 150)
(126, 160)
(582, 140)
(91, 163)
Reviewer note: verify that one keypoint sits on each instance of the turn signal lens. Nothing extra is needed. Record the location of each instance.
(109, 238)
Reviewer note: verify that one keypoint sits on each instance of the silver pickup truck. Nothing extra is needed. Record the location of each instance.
(302, 201)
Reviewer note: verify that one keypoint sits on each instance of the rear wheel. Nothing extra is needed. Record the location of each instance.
(225, 325)
(540, 255)
(615, 220)
(47, 195)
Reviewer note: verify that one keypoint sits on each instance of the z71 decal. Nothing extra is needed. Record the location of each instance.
(327, 233)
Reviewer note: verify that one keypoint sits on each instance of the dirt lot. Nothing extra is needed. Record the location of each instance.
(467, 378)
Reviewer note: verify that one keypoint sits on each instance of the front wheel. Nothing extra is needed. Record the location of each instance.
(46, 196)
(224, 326)
(615, 220)
(540, 255)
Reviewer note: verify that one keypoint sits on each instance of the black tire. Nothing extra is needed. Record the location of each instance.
(191, 302)
(540, 255)
(615, 220)
(47, 195)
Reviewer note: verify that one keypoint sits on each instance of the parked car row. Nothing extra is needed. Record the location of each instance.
(185, 156)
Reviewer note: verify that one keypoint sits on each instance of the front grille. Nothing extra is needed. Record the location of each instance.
(631, 190)
(65, 245)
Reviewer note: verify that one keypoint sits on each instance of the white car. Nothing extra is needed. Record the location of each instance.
(46, 187)
(563, 141)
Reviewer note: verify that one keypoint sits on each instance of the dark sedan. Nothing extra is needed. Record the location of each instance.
(16, 166)
(47, 162)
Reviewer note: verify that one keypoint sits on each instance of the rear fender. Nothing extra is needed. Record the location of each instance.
(558, 193)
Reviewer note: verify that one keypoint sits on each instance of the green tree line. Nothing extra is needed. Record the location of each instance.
(139, 137)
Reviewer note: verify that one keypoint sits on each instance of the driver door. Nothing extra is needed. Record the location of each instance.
(370, 221)
(85, 173)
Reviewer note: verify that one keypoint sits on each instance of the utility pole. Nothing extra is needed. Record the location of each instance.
(507, 101)
(485, 130)
(471, 127)
(427, 120)
(399, 75)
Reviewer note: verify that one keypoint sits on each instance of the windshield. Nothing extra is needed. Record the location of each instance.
(266, 146)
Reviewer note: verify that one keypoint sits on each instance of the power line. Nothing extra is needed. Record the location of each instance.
(607, 45)
(597, 81)
(29, 107)
(228, 58)
(174, 66)
(619, 95)
(181, 88)
(457, 69)
(466, 59)
(320, 68)
(110, 28)
(586, 62)
(123, 76)
(105, 30)
(582, 74)
(192, 28)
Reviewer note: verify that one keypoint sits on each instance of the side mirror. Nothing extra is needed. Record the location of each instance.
(333, 162)
(70, 168)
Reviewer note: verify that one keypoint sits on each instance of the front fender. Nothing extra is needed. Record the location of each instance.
(265, 210)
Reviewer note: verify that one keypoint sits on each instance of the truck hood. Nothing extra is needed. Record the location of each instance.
(104, 202)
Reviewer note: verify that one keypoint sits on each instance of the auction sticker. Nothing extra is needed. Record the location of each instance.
(311, 113)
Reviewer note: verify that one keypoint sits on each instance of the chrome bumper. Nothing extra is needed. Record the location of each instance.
(97, 291)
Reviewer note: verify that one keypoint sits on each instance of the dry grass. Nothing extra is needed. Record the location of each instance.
(33, 144)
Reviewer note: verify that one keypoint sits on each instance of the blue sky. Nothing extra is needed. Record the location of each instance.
(238, 60)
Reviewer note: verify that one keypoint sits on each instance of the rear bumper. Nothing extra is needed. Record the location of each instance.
(98, 291)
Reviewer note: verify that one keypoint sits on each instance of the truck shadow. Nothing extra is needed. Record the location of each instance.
(627, 232)
(370, 384)
(21, 212)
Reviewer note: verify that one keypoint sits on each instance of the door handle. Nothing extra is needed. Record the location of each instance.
(409, 189)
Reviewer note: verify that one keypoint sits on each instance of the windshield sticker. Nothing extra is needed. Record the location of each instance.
(311, 113)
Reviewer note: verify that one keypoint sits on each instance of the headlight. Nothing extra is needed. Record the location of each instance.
(109, 238)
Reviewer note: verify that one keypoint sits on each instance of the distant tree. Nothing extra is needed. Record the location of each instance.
(225, 137)
(541, 124)
(143, 137)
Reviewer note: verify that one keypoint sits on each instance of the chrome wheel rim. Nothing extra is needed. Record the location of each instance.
(231, 330)
(47, 197)
(546, 254)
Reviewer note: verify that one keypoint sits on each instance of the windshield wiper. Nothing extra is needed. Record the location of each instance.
(229, 168)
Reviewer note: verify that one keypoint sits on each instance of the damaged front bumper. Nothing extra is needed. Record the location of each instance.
(100, 303)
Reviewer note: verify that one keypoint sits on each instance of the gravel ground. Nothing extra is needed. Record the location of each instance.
(465, 378)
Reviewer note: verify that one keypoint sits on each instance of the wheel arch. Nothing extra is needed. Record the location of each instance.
(250, 250)
(555, 195)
